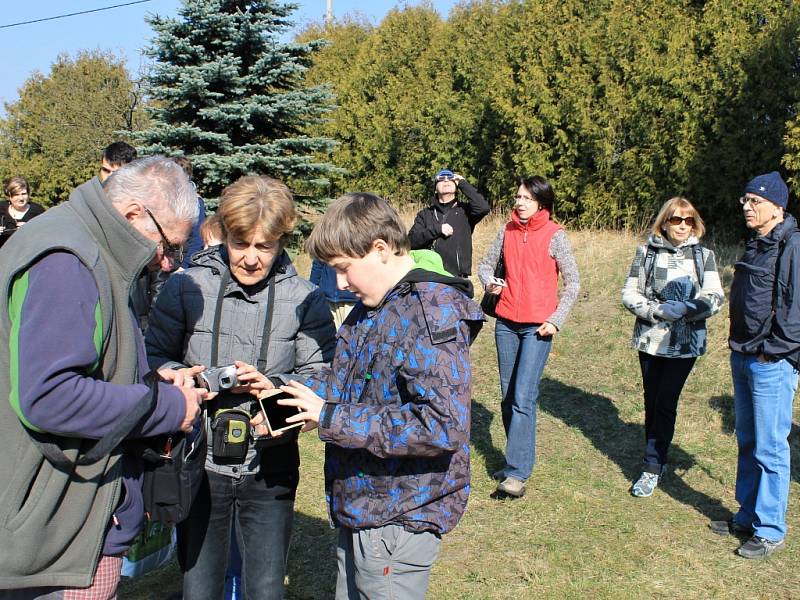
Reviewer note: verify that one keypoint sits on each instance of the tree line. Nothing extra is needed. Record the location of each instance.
(621, 104)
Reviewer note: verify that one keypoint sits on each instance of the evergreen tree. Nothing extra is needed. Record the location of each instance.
(226, 91)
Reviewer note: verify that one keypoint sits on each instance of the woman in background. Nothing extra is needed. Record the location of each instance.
(529, 313)
(672, 288)
(17, 209)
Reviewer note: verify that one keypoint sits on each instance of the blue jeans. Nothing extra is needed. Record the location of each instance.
(521, 356)
(763, 394)
(263, 507)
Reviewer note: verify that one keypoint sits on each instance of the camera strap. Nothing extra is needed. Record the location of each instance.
(261, 364)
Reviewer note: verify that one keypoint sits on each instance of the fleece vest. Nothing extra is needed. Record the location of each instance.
(52, 521)
(531, 295)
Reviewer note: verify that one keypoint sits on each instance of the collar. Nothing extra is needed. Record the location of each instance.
(537, 221)
(129, 250)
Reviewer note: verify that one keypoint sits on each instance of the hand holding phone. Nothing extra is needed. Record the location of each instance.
(498, 281)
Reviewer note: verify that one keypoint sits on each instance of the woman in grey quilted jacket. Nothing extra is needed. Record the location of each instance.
(242, 303)
(672, 288)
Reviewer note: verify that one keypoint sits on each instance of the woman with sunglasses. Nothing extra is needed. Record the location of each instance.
(534, 250)
(672, 288)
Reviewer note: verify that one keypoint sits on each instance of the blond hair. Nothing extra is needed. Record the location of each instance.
(15, 185)
(211, 230)
(256, 202)
(668, 210)
(351, 225)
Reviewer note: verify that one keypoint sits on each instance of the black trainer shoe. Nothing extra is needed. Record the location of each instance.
(758, 547)
(729, 527)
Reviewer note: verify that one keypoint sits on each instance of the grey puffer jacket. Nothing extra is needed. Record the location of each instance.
(301, 342)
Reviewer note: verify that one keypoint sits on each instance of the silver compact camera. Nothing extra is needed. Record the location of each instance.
(217, 379)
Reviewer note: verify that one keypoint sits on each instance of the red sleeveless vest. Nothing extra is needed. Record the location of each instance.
(531, 295)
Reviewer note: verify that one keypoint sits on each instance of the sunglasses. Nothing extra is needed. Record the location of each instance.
(444, 178)
(173, 251)
(754, 201)
(678, 220)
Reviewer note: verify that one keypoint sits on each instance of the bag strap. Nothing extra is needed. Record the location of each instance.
(699, 264)
(105, 445)
(261, 362)
(226, 277)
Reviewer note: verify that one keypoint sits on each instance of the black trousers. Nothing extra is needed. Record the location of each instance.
(663, 380)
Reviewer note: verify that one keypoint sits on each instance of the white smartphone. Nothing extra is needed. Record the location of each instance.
(498, 281)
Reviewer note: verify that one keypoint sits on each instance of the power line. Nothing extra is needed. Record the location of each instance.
(83, 12)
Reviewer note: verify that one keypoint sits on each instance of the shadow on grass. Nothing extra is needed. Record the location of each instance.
(312, 559)
(481, 438)
(597, 418)
(724, 405)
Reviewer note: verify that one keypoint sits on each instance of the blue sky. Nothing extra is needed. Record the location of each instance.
(29, 48)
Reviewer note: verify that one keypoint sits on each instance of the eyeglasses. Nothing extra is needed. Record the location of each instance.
(678, 220)
(173, 251)
(524, 199)
(753, 200)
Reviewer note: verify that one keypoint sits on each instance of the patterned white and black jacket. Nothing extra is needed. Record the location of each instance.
(671, 273)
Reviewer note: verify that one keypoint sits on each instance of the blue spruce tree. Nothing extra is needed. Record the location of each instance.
(228, 93)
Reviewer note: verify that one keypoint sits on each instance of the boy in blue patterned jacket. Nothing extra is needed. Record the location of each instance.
(394, 406)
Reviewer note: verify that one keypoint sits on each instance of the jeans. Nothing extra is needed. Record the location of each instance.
(263, 507)
(384, 563)
(663, 380)
(521, 356)
(763, 395)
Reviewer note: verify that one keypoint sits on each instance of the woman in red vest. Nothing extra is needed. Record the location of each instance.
(535, 250)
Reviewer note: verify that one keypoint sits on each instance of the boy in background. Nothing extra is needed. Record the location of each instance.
(394, 406)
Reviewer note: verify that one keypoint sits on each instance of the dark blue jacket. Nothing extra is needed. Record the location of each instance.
(324, 277)
(765, 299)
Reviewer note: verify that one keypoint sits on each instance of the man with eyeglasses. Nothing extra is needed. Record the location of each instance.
(765, 350)
(446, 225)
(72, 367)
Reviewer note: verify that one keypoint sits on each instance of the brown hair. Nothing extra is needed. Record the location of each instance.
(668, 210)
(14, 185)
(352, 223)
(254, 202)
(211, 229)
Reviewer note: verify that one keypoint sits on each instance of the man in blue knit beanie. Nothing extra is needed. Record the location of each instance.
(765, 352)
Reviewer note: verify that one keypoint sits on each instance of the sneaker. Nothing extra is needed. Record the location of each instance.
(729, 527)
(511, 487)
(645, 485)
(758, 547)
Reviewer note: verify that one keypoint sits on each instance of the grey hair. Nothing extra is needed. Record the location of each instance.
(158, 183)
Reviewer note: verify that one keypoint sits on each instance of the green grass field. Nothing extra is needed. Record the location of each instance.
(578, 533)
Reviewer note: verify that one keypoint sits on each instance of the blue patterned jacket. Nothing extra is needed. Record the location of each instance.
(397, 411)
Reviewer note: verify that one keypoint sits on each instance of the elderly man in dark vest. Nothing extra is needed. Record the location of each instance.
(72, 364)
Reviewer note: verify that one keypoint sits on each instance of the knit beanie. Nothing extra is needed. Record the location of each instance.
(769, 186)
